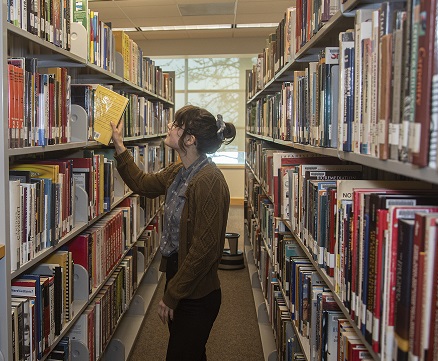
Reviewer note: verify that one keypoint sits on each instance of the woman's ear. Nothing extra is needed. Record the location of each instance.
(190, 140)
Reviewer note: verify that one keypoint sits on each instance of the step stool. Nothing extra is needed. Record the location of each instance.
(232, 258)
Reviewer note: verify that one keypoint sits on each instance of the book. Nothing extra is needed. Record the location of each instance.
(109, 107)
(363, 29)
(399, 54)
(409, 77)
(30, 286)
(391, 248)
(346, 40)
(15, 223)
(433, 335)
(55, 270)
(83, 252)
(422, 283)
(84, 329)
(420, 140)
(83, 95)
(64, 259)
(404, 282)
(387, 12)
(18, 307)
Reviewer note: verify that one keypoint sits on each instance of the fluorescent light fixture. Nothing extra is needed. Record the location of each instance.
(124, 29)
(186, 27)
(259, 25)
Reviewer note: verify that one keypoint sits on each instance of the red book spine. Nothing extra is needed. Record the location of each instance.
(426, 38)
(421, 279)
(416, 301)
(433, 336)
(382, 226)
(12, 106)
(19, 75)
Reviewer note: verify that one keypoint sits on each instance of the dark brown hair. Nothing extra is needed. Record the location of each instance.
(204, 127)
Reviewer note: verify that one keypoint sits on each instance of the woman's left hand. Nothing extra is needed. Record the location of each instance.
(165, 313)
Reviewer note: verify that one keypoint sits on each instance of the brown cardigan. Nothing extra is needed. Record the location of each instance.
(202, 229)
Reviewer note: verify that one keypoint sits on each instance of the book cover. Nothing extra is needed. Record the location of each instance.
(109, 107)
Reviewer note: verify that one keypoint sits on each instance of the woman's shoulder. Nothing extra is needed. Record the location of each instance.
(170, 171)
(210, 172)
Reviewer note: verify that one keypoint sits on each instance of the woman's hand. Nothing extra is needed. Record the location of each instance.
(118, 137)
(165, 313)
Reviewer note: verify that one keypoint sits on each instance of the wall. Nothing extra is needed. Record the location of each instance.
(235, 177)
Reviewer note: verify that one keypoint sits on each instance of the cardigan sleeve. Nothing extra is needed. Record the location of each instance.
(211, 210)
(150, 185)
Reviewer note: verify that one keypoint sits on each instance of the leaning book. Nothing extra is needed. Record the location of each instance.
(109, 107)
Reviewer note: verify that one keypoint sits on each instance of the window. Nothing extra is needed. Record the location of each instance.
(217, 84)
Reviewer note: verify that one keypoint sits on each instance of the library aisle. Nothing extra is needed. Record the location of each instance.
(235, 335)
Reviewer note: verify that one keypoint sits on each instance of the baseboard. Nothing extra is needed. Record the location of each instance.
(236, 201)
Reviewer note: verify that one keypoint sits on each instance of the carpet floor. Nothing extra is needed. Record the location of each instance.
(235, 335)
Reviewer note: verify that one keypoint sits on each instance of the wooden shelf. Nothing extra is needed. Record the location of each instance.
(2, 250)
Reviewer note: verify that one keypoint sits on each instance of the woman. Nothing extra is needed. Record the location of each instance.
(195, 219)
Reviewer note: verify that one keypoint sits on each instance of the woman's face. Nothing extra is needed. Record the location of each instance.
(173, 134)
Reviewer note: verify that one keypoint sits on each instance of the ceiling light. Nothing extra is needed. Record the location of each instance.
(124, 29)
(259, 25)
(186, 27)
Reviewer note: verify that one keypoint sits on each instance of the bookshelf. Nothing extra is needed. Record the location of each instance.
(16, 42)
(267, 135)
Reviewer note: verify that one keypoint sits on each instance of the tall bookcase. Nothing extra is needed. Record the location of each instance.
(265, 116)
(17, 42)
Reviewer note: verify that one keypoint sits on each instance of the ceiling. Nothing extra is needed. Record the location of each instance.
(148, 13)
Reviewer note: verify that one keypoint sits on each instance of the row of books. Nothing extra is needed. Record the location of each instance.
(96, 324)
(38, 104)
(40, 100)
(298, 26)
(137, 67)
(103, 43)
(43, 203)
(349, 226)
(44, 296)
(47, 20)
(302, 307)
(358, 97)
(43, 196)
(52, 22)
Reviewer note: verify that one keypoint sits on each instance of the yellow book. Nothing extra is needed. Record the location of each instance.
(108, 107)
(122, 46)
(50, 171)
(64, 260)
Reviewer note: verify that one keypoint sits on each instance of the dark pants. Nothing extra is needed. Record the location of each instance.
(192, 322)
